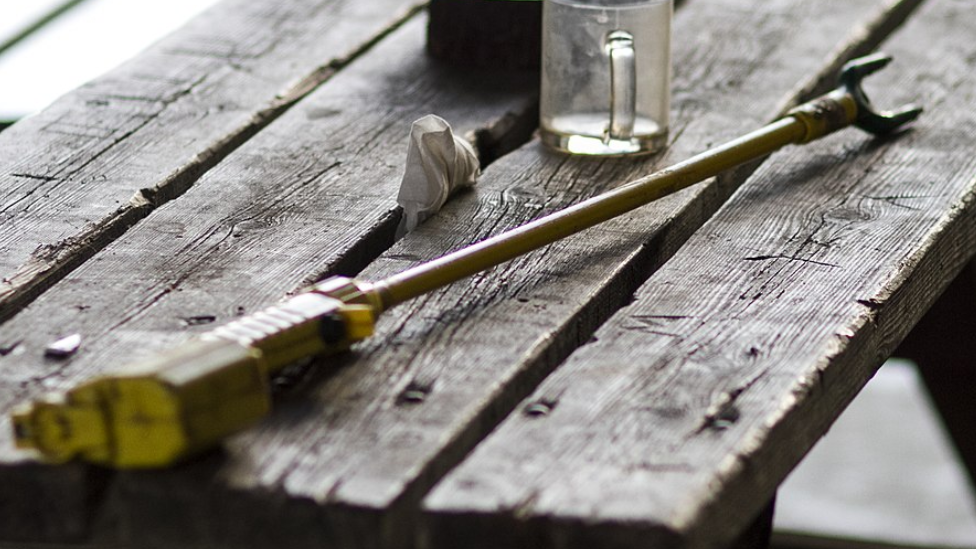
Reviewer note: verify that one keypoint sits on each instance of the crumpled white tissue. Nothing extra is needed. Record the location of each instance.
(438, 164)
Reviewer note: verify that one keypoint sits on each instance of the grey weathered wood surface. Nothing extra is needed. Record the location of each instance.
(313, 193)
(345, 459)
(676, 424)
(80, 173)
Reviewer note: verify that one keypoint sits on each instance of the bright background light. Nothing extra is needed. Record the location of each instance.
(77, 46)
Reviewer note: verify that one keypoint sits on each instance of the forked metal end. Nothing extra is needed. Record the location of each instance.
(868, 119)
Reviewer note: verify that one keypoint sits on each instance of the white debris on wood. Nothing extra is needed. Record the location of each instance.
(64, 347)
(438, 164)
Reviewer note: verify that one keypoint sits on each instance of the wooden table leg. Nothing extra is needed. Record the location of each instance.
(758, 535)
(944, 347)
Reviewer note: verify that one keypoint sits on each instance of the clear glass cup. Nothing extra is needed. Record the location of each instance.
(606, 75)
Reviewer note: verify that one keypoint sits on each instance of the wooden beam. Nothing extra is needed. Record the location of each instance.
(79, 174)
(692, 404)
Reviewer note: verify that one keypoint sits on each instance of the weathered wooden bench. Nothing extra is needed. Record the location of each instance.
(648, 383)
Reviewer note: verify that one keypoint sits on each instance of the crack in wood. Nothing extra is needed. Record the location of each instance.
(9, 348)
(872, 304)
(790, 258)
(724, 412)
(32, 176)
(894, 200)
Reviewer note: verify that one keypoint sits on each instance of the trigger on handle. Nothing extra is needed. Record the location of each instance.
(623, 85)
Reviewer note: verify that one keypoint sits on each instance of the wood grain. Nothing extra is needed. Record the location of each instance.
(83, 171)
(346, 457)
(674, 426)
(313, 193)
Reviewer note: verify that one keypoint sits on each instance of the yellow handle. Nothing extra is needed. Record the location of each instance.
(187, 400)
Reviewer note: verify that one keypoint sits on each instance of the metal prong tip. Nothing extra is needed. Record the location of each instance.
(869, 64)
(907, 113)
(857, 69)
(878, 123)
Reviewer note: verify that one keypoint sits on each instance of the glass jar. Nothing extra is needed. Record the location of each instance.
(606, 75)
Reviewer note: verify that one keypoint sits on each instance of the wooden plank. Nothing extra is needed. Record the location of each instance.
(675, 425)
(313, 192)
(346, 457)
(80, 173)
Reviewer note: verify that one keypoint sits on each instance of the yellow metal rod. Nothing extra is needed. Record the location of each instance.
(546, 230)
